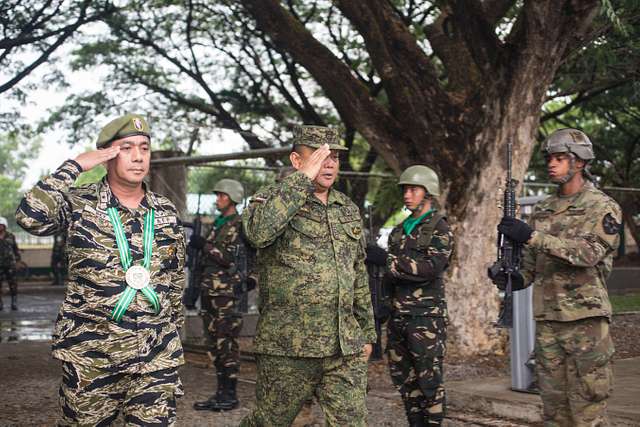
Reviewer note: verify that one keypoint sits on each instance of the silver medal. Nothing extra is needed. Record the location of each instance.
(137, 277)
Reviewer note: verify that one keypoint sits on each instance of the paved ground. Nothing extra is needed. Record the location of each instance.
(30, 378)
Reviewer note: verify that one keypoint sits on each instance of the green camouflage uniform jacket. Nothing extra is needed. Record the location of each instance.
(314, 296)
(416, 264)
(570, 255)
(219, 258)
(9, 253)
(84, 332)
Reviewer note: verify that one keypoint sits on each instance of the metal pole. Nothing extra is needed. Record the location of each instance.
(250, 154)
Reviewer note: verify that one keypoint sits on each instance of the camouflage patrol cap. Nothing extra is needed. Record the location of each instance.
(122, 127)
(569, 141)
(233, 188)
(316, 136)
(423, 176)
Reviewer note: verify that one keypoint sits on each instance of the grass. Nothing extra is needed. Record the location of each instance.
(628, 302)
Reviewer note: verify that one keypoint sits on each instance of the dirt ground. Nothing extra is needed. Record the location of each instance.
(29, 381)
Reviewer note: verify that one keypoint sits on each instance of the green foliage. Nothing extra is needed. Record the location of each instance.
(623, 303)
(16, 151)
(201, 180)
(89, 177)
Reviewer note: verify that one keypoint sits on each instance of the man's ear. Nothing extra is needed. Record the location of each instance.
(580, 164)
(296, 160)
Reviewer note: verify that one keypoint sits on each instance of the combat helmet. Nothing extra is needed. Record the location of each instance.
(569, 141)
(423, 176)
(231, 187)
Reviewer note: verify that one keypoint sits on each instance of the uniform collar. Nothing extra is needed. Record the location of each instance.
(106, 198)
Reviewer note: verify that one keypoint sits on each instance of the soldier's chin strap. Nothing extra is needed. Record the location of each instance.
(572, 171)
(420, 206)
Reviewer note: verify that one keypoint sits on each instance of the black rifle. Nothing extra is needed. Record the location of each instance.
(194, 263)
(240, 266)
(509, 252)
(377, 292)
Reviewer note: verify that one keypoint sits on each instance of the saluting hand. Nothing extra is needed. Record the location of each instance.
(311, 167)
(91, 159)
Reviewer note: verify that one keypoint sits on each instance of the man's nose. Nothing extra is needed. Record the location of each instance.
(136, 154)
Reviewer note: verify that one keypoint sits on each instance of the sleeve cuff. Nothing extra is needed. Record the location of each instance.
(300, 181)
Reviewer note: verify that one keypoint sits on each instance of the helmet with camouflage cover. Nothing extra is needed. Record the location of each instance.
(569, 141)
(231, 187)
(423, 176)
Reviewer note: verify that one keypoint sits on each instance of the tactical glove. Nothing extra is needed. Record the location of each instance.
(376, 255)
(516, 230)
(197, 242)
(500, 280)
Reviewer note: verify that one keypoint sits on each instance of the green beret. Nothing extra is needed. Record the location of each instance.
(122, 127)
(315, 136)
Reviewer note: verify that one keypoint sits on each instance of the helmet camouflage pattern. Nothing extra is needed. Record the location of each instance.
(423, 176)
(231, 187)
(569, 141)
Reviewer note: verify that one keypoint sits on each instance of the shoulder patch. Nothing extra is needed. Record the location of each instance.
(610, 225)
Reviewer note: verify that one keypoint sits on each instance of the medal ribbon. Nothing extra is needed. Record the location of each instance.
(126, 260)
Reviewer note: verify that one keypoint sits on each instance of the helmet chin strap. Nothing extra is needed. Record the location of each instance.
(421, 204)
(570, 174)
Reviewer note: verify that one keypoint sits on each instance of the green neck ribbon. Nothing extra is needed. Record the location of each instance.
(126, 260)
(222, 220)
(410, 223)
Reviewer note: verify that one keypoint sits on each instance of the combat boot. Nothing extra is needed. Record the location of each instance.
(205, 405)
(228, 397)
(14, 302)
(1, 304)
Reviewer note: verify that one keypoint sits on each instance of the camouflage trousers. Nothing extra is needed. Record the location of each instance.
(222, 324)
(416, 348)
(573, 364)
(8, 273)
(95, 397)
(284, 384)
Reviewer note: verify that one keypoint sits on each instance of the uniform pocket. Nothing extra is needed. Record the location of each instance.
(595, 372)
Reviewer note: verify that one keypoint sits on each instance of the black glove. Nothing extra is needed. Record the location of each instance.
(516, 230)
(197, 242)
(376, 255)
(500, 280)
(252, 282)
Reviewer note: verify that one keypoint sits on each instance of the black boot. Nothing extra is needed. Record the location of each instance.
(205, 405)
(228, 398)
(1, 304)
(14, 302)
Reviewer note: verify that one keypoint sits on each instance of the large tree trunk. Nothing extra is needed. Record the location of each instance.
(459, 128)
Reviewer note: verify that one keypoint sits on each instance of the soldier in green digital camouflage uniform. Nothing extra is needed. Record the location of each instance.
(116, 333)
(316, 325)
(59, 258)
(9, 258)
(419, 252)
(221, 281)
(568, 255)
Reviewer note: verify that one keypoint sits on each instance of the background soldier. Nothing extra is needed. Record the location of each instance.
(9, 259)
(59, 258)
(221, 290)
(568, 254)
(419, 252)
(316, 327)
(117, 330)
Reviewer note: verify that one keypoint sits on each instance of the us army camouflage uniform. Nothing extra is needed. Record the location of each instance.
(221, 319)
(9, 256)
(59, 258)
(314, 303)
(417, 330)
(133, 362)
(568, 260)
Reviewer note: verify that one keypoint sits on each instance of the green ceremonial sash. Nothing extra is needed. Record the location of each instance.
(126, 260)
